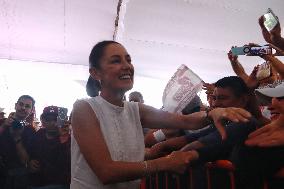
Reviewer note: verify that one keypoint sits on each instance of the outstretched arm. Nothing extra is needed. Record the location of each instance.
(87, 132)
(154, 118)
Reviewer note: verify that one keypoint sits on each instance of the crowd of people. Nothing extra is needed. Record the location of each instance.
(109, 142)
(32, 157)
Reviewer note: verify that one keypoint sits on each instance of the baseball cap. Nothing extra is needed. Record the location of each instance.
(50, 110)
(264, 94)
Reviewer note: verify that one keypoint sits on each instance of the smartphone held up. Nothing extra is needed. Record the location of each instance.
(252, 50)
(62, 116)
(270, 20)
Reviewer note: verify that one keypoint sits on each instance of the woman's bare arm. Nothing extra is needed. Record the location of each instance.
(86, 130)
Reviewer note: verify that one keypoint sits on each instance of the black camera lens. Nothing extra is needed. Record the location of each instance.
(17, 124)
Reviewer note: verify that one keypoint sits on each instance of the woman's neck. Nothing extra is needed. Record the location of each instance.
(115, 99)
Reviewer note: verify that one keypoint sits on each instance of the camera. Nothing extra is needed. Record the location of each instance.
(252, 51)
(17, 124)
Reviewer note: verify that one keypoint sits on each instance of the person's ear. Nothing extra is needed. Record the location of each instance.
(95, 74)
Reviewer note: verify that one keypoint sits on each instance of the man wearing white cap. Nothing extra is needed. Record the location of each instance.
(266, 142)
(271, 134)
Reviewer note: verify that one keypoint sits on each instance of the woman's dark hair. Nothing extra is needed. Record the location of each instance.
(97, 52)
(93, 86)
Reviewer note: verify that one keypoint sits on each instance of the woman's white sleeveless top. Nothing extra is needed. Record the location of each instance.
(122, 131)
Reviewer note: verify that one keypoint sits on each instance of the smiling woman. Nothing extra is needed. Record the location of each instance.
(107, 141)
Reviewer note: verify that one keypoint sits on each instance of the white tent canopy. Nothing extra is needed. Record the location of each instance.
(44, 45)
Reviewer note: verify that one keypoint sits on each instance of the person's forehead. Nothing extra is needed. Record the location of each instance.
(25, 101)
(114, 49)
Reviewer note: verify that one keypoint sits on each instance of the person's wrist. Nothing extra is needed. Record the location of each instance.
(276, 39)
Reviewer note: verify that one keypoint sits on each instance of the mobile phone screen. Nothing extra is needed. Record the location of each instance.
(270, 20)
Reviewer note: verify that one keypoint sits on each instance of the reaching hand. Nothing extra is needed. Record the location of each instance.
(268, 136)
(209, 88)
(157, 150)
(178, 161)
(232, 114)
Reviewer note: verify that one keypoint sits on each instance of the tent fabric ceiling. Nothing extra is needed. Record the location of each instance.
(160, 35)
(164, 34)
(61, 31)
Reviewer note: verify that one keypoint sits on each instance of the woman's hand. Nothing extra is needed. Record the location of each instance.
(231, 114)
(178, 161)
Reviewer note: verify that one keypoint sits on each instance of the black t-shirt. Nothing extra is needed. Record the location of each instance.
(54, 158)
(8, 147)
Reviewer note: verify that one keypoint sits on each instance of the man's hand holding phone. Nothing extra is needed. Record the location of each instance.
(270, 27)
